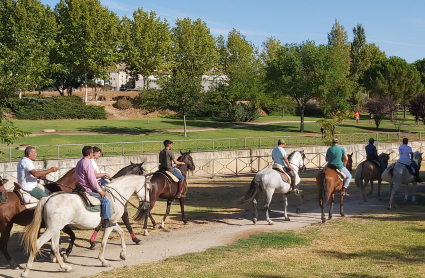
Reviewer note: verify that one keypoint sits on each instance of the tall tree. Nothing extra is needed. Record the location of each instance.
(195, 54)
(27, 33)
(393, 78)
(146, 44)
(89, 37)
(420, 66)
(299, 71)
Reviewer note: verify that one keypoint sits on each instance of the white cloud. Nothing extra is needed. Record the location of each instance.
(116, 6)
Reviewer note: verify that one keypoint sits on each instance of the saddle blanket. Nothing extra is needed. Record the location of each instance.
(174, 178)
(285, 176)
(30, 201)
(341, 175)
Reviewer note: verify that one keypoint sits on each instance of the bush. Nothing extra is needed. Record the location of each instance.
(242, 113)
(123, 104)
(66, 107)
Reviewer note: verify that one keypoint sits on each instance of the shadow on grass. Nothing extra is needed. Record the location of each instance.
(120, 130)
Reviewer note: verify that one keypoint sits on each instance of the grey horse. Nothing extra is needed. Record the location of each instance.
(401, 176)
(269, 181)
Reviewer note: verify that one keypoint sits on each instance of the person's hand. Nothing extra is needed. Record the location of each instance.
(182, 163)
(54, 169)
(99, 183)
(107, 175)
(290, 167)
(103, 194)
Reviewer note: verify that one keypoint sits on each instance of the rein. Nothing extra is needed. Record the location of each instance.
(61, 184)
(109, 190)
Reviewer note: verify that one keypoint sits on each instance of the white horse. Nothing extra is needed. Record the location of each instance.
(67, 209)
(270, 181)
(401, 176)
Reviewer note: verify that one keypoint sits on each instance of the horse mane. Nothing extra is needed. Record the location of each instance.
(126, 168)
(292, 154)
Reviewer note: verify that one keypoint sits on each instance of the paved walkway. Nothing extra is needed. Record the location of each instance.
(195, 238)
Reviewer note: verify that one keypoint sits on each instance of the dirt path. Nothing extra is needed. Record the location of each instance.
(197, 236)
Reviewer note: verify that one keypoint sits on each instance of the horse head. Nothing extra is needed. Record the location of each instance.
(350, 162)
(3, 192)
(417, 158)
(187, 159)
(297, 160)
(385, 158)
(132, 169)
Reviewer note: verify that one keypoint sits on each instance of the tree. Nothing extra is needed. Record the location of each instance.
(299, 71)
(88, 38)
(394, 78)
(420, 66)
(417, 107)
(195, 54)
(380, 107)
(146, 45)
(27, 33)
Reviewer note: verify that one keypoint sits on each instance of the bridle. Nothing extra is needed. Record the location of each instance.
(302, 168)
(122, 200)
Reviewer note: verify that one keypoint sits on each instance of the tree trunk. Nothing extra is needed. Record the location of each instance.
(184, 123)
(404, 108)
(302, 118)
(85, 87)
(39, 89)
(283, 112)
(20, 93)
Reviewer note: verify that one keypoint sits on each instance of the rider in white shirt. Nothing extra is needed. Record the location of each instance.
(406, 157)
(100, 175)
(27, 175)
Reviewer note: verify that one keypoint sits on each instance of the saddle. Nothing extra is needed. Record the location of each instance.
(89, 201)
(24, 197)
(285, 176)
(169, 176)
(408, 167)
(341, 175)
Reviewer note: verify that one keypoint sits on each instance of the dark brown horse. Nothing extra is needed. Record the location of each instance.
(67, 183)
(162, 188)
(12, 212)
(328, 183)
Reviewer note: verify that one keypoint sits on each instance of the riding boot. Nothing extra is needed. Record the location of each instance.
(417, 178)
(294, 189)
(180, 189)
(344, 192)
(106, 223)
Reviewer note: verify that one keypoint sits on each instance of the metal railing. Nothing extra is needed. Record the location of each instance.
(199, 145)
(231, 166)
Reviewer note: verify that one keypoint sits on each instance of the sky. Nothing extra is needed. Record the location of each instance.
(396, 27)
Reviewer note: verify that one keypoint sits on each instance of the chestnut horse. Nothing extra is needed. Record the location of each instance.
(162, 188)
(328, 182)
(67, 183)
(369, 171)
(12, 212)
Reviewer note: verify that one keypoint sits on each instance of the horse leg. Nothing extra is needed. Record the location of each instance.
(331, 206)
(341, 205)
(285, 207)
(56, 250)
(103, 245)
(301, 197)
(123, 247)
(167, 211)
(93, 237)
(379, 189)
(254, 202)
(406, 193)
(126, 221)
(394, 188)
(4, 239)
(67, 230)
(267, 205)
(414, 193)
(181, 200)
(371, 188)
(362, 187)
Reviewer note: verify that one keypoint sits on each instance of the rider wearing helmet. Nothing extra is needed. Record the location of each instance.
(372, 154)
(406, 157)
(337, 156)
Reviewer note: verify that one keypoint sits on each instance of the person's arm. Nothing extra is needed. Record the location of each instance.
(39, 174)
(287, 163)
(175, 161)
(326, 158)
(101, 175)
(344, 159)
(92, 179)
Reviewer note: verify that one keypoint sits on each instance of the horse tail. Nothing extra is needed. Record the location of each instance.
(358, 176)
(323, 186)
(252, 191)
(29, 238)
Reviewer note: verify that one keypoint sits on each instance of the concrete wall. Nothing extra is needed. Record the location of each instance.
(210, 164)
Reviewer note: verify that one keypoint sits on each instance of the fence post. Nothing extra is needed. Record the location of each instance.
(212, 172)
(258, 169)
(236, 165)
(213, 144)
(244, 143)
(197, 145)
(229, 144)
(122, 149)
(58, 152)
(10, 155)
(142, 147)
(259, 143)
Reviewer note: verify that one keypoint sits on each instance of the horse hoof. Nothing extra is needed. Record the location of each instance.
(146, 233)
(65, 258)
(14, 265)
(122, 256)
(298, 210)
(137, 241)
(92, 245)
(389, 208)
(68, 268)
(270, 222)
(342, 214)
(106, 264)
(53, 260)
(24, 275)
(161, 226)
(415, 203)
(287, 219)
(185, 222)
(323, 220)
(254, 221)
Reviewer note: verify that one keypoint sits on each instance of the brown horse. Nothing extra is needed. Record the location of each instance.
(162, 188)
(12, 212)
(67, 184)
(369, 171)
(328, 182)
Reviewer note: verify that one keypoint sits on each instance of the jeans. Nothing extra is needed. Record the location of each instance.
(348, 174)
(102, 181)
(105, 205)
(37, 193)
(383, 167)
(178, 174)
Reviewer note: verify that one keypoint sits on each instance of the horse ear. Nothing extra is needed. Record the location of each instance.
(131, 163)
(189, 152)
(181, 152)
(351, 154)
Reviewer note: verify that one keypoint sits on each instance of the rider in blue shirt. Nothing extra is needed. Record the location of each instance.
(372, 154)
(279, 157)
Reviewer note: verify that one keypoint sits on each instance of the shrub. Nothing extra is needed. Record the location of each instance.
(123, 104)
(242, 113)
(66, 107)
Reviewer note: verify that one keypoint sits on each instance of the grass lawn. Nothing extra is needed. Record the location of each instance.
(390, 244)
